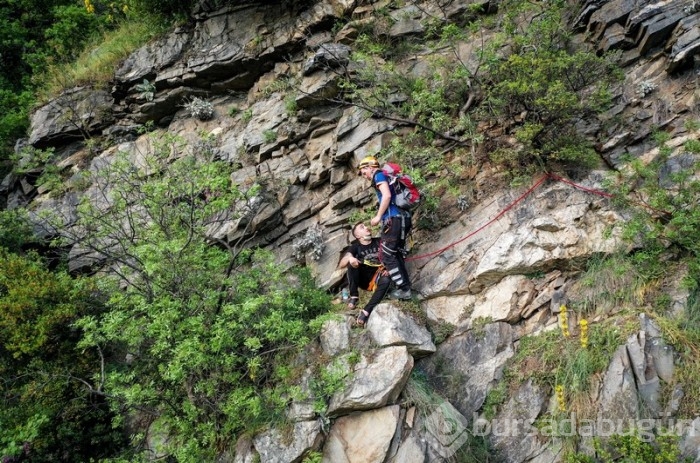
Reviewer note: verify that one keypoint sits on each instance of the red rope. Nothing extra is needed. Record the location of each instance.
(498, 216)
(581, 187)
(605, 194)
(523, 196)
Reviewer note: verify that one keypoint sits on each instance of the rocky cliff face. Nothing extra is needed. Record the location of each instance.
(498, 271)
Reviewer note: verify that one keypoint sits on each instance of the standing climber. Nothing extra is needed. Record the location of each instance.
(364, 271)
(396, 225)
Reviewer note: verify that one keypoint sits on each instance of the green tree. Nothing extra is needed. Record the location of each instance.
(540, 87)
(15, 230)
(34, 34)
(202, 337)
(46, 410)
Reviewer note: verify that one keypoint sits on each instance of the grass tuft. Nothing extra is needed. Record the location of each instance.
(95, 66)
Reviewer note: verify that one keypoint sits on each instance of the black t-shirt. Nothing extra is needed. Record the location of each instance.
(367, 254)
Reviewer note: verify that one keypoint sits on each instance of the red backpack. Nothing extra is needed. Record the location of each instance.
(406, 194)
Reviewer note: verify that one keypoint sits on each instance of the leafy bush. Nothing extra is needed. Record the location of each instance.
(667, 219)
(14, 119)
(48, 408)
(633, 446)
(269, 136)
(15, 229)
(146, 89)
(200, 109)
(211, 334)
(72, 25)
(542, 88)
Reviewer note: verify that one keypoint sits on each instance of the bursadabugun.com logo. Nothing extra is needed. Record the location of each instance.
(645, 429)
(447, 430)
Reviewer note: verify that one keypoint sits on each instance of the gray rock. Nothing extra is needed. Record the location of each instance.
(647, 381)
(690, 442)
(685, 44)
(327, 56)
(465, 366)
(445, 431)
(245, 451)
(610, 13)
(275, 446)
(407, 26)
(376, 380)
(362, 437)
(335, 337)
(145, 62)
(389, 326)
(411, 450)
(512, 431)
(654, 31)
(75, 114)
(317, 88)
(618, 396)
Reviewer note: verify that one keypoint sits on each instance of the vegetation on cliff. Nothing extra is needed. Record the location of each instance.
(206, 339)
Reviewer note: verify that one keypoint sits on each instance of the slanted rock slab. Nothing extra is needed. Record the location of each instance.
(388, 326)
(362, 437)
(376, 380)
(276, 447)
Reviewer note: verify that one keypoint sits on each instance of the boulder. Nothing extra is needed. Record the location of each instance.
(375, 381)
(389, 326)
(465, 365)
(77, 113)
(274, 446)
(361, 437)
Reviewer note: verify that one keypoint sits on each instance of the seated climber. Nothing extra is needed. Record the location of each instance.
(364, 271)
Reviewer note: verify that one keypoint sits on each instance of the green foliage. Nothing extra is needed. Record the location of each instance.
(691, 124)
(66, 36)
(14, 121)
(290, 104)
(441, 330)
(330, 379)
(667, 219)
(34, 304)
(30, 159)
(635, 446)
(692, 146)
(269, 136)
(313, 457)
(98, 57)
(174, 8)
(45, 407)
(15, 229)
(552, 359)
(528, 77)
(543, 88)
(616, 281)
(495, 397)
(147, 90)
(212, 334)
(362, 215)
(37, 36)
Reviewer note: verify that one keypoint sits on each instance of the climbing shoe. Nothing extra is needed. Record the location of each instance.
(403, 294)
